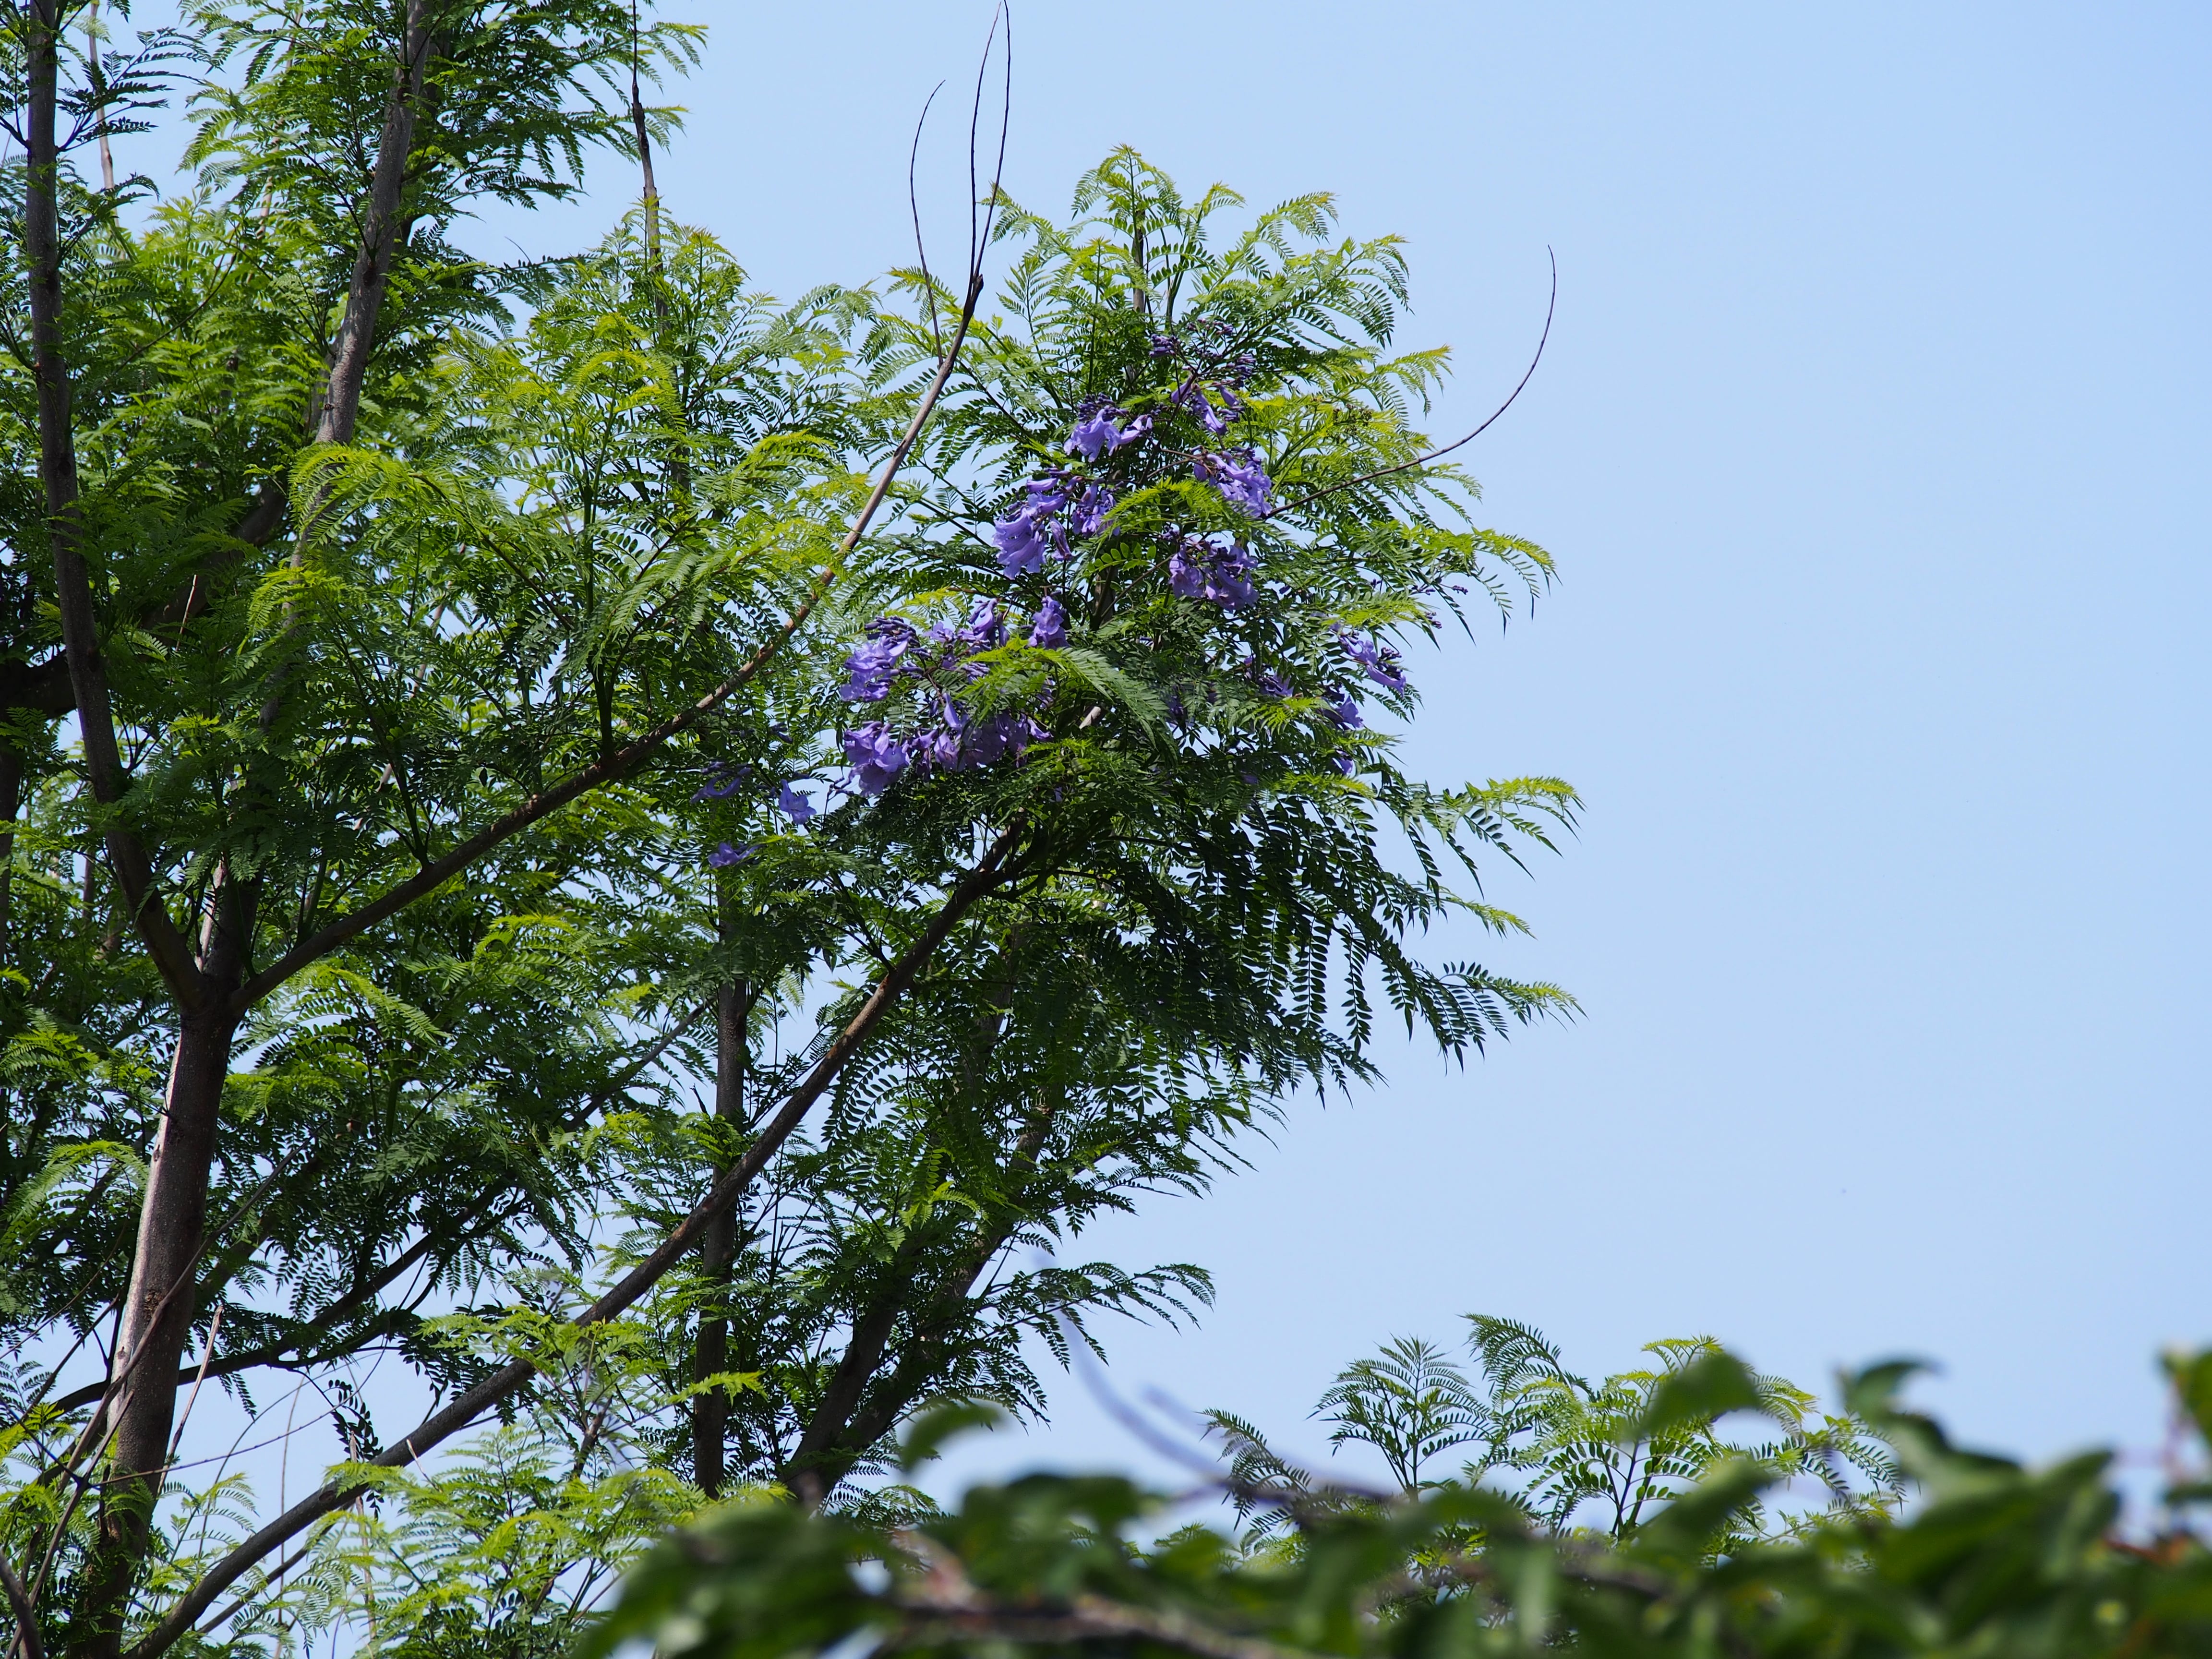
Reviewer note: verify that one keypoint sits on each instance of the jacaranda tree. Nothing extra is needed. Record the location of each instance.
(653, 853)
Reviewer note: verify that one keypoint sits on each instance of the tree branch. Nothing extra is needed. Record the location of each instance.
(26, 1616)
(272, 1353)
(613, 768)
(442, 1425)
(57, 477)
(1438, 454)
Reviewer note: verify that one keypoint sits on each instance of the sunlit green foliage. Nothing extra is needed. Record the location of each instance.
(585, 500)
(1991, 1557)
(1581, 1459)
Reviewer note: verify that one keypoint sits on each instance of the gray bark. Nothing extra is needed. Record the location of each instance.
(718, 1250)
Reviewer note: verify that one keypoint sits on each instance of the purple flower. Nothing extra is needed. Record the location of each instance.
(1001, 734)
(794, 805)
(1228, 585)
(1346, 764)
(988, 738)
(1091, 512)
(1047, 495)
(726, 855)
(1345, 713)
(1379, 661)
(1186, 578)
(1191, 397)
(1095, 435)
(870, 668)
(1200, 570)
(986, 629)
(1272, 685)
(939, 747)
(1242, 483)
(1049, 630)
(1021, 551)
(878, 756)
(723, 779)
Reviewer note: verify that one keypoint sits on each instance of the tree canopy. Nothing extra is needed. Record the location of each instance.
(650, 855)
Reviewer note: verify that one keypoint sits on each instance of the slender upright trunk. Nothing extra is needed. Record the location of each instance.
(157, 1318)
(372, 268)
(718, 1248)
(159, 1307)
(11, 802)
(651, 195)
(92, 61)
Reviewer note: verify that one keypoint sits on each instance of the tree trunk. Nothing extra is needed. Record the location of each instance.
(718, 1250)
(159, 1307)
(380, 225)
(651, 195)
(11, 802)
(158, 1314)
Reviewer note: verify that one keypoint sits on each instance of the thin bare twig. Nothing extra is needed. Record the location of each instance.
(1438, 454)
(1294, 1502)
(913, 207)
(206, 1354)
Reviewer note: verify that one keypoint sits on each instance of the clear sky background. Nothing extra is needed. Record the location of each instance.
(1872, 442)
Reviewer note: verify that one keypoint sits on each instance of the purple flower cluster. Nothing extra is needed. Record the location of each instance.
(1191, 397)
(946, 657)
(870, 669)
(1032, 530)
(1049, 631)
(954, 743)
(878, 756)
(893, 649)
(984, 630)
(1201, 569)
(1214, 380)
(1101, 428)
(1056, 504)
(1379, 661)
(1062, 505)
(1239, 477)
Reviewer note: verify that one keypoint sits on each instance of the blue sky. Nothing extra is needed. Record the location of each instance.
(1872, 444)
